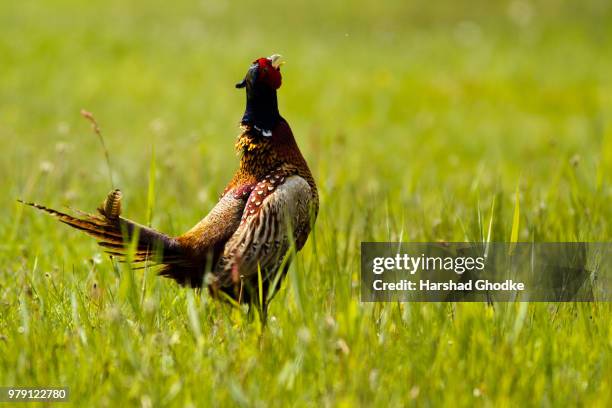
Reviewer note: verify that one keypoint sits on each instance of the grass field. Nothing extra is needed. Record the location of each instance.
(420, 121)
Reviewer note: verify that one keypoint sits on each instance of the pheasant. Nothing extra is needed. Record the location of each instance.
(270, 204)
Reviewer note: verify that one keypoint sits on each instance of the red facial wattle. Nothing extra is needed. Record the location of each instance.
(269, 74)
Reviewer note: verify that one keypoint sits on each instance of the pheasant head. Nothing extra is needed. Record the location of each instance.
(261, 82)
(266, 142)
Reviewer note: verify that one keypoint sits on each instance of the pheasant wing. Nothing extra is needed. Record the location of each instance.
(277, 211)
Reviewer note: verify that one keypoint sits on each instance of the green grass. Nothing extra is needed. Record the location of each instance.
(421, 122)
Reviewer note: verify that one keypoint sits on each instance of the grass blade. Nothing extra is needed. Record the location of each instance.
(516, 218)
(151, 191)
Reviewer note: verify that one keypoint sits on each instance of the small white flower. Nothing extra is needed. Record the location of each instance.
(46, 167)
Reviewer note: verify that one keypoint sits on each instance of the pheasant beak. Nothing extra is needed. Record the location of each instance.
(276, 60)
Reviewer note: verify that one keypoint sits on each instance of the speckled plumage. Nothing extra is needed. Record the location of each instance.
(271, 196)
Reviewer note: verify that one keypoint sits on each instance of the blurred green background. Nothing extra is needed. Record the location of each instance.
(420, 121)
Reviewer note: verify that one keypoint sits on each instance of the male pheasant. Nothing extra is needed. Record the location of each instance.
(270, 204)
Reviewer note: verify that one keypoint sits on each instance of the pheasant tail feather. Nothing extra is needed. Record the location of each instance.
(115, 233)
